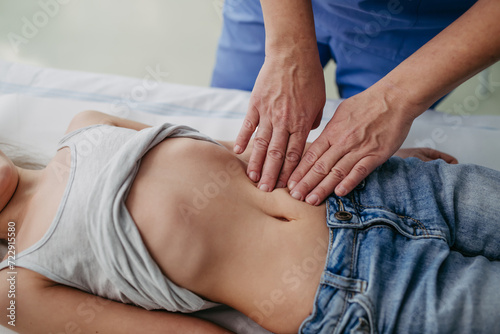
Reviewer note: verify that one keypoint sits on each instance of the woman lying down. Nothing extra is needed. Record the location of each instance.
(164, 218)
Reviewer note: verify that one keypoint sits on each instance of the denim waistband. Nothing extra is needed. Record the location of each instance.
(351, 212)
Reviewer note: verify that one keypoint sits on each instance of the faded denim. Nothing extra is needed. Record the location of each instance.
(414, 249)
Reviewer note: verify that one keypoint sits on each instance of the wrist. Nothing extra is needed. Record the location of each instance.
(291, 45)
(302, 54)
(289, 25)
(400, 98)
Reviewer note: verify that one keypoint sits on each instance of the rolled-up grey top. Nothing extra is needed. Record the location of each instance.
(114, 237)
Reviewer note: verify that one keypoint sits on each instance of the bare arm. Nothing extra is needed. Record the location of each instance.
(91, 117)
(289, 26)
(369, 127)
(464, 48)
(288, 96)
(45, 307)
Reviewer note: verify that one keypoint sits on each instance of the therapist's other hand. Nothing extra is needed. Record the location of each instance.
(363, 133)
(425, 154)
(286, 103)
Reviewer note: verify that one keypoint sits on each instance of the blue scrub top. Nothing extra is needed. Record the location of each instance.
(393, 29)
(366, 38)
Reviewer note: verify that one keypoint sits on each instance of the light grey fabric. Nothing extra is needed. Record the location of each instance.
(114, 237)
(93, 244)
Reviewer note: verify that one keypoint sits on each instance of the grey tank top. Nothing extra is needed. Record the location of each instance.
(93, 244)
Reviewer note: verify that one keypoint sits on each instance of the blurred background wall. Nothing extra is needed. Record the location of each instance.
(126, 37)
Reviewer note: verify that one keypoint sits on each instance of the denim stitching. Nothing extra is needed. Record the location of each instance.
(369, 309)
(418, 222)
(342, 313)
(341, 205)
(344, 279)
(406, 235)
(346, 297)
(427, 231)
(315, 315)
(353, 253)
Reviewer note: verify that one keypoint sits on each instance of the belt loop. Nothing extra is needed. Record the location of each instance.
(344, 283)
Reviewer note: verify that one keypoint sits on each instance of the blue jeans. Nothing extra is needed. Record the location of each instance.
(366, 38)
(414, 249)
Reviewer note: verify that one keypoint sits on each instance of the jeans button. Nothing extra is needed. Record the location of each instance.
(343, 215)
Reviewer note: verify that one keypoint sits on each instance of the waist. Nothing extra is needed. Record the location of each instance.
(289, 273)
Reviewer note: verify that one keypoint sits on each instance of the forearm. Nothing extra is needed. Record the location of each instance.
(464, 48)
(289, 26)
(92, 117)
(47, 307)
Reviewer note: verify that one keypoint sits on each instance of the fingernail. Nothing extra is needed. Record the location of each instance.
(237, 149)
(312, 199)
(264, 187)
(340, 191)
(296, 195)
(253, 176)
(292, 185)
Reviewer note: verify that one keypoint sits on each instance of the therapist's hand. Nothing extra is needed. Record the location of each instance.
(364, 132)
(286, 103)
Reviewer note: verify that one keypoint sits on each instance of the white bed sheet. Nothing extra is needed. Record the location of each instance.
(36, 105)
